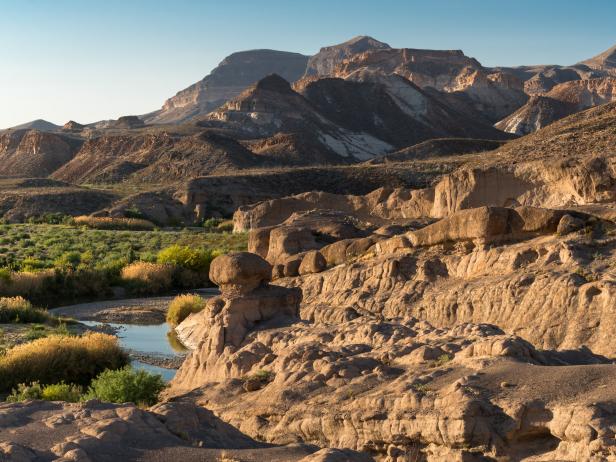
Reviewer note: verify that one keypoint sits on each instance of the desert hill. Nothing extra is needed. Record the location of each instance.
(562, 100)
(38, 124)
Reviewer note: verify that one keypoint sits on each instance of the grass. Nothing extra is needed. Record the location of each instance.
(15, 310)
(59, 264)
(132, 224)
(114, 386)
(182, 306)
(40, 246)
(146, 277)
(58, 358)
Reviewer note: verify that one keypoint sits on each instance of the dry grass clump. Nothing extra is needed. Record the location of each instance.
(20, 310)
(133, 224)
(26, 282)
(149, 277)
(182, 306)
(58, 359)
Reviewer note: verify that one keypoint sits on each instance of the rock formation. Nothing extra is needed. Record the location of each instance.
(232, 76)
(393, 356)
(562, 100)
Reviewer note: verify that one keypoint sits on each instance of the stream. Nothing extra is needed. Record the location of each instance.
(141, 329)
(149, 341)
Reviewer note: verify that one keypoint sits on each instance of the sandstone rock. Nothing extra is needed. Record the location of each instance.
(337, 455)
(285, 242)
(481, 223)
(313, 262)
(569, 224)
(240, 272)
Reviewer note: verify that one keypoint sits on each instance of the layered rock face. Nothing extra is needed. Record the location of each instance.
(34, 153)
(468, 321)
(228, 80)
(562, 100)
(395, 359)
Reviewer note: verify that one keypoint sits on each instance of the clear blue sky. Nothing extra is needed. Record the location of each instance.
(89, 60)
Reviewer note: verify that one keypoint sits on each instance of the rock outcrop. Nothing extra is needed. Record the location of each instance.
(562, 100)
(247, 300)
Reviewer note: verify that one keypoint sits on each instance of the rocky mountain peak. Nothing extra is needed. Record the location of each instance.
(324, 62)
(603, 61)
(273, 82)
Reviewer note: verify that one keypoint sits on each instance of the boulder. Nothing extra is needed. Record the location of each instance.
(313, 262)
(569, 224)
(484, 223)
(289, 240)
(259, 240)
(240, 272)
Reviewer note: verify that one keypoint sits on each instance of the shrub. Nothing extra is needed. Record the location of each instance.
(20, 310)
(31, 264)
(56, 392)
(183, 305)
(133, 224)
(59, 358)
(145, 277)
(187, 257)
(69, 260)
(25, 392)
(126, 385)
(25, 283)
(62, 392)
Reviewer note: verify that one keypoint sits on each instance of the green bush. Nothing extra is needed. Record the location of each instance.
(126, 385)
(25, 392)
(62, 392)
(186, 257)
(56, 392)
(60, 358)
(183, 305)
(20, 310)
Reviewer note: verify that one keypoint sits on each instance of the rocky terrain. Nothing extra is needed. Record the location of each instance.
(262, 112)
(471, 320)
(562, 100)
(419, 285)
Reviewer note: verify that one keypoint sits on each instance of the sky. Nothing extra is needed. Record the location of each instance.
(91, 60)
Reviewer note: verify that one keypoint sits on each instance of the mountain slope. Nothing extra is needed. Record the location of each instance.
(605, 61)
(564, 99)
(34, 153)
(326, 60)
(236, 72)
(38, 124)
(158, 157)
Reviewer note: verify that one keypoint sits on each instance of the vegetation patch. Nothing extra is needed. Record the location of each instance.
(60, 358)
(126, 385)
(59, 264)
(182, 306)
(133, 224)
(14, 310)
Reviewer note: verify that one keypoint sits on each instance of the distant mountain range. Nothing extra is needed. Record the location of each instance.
(349, 103)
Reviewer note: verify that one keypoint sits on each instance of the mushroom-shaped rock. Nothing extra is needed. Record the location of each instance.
(240, 272)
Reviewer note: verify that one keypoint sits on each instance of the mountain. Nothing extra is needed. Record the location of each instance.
(159, 157)
(605, 61)
(562, 100)
(326, 60)
(25, 152)
(357, 118)
(391, 108)
(38, 124)
(236, 72)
